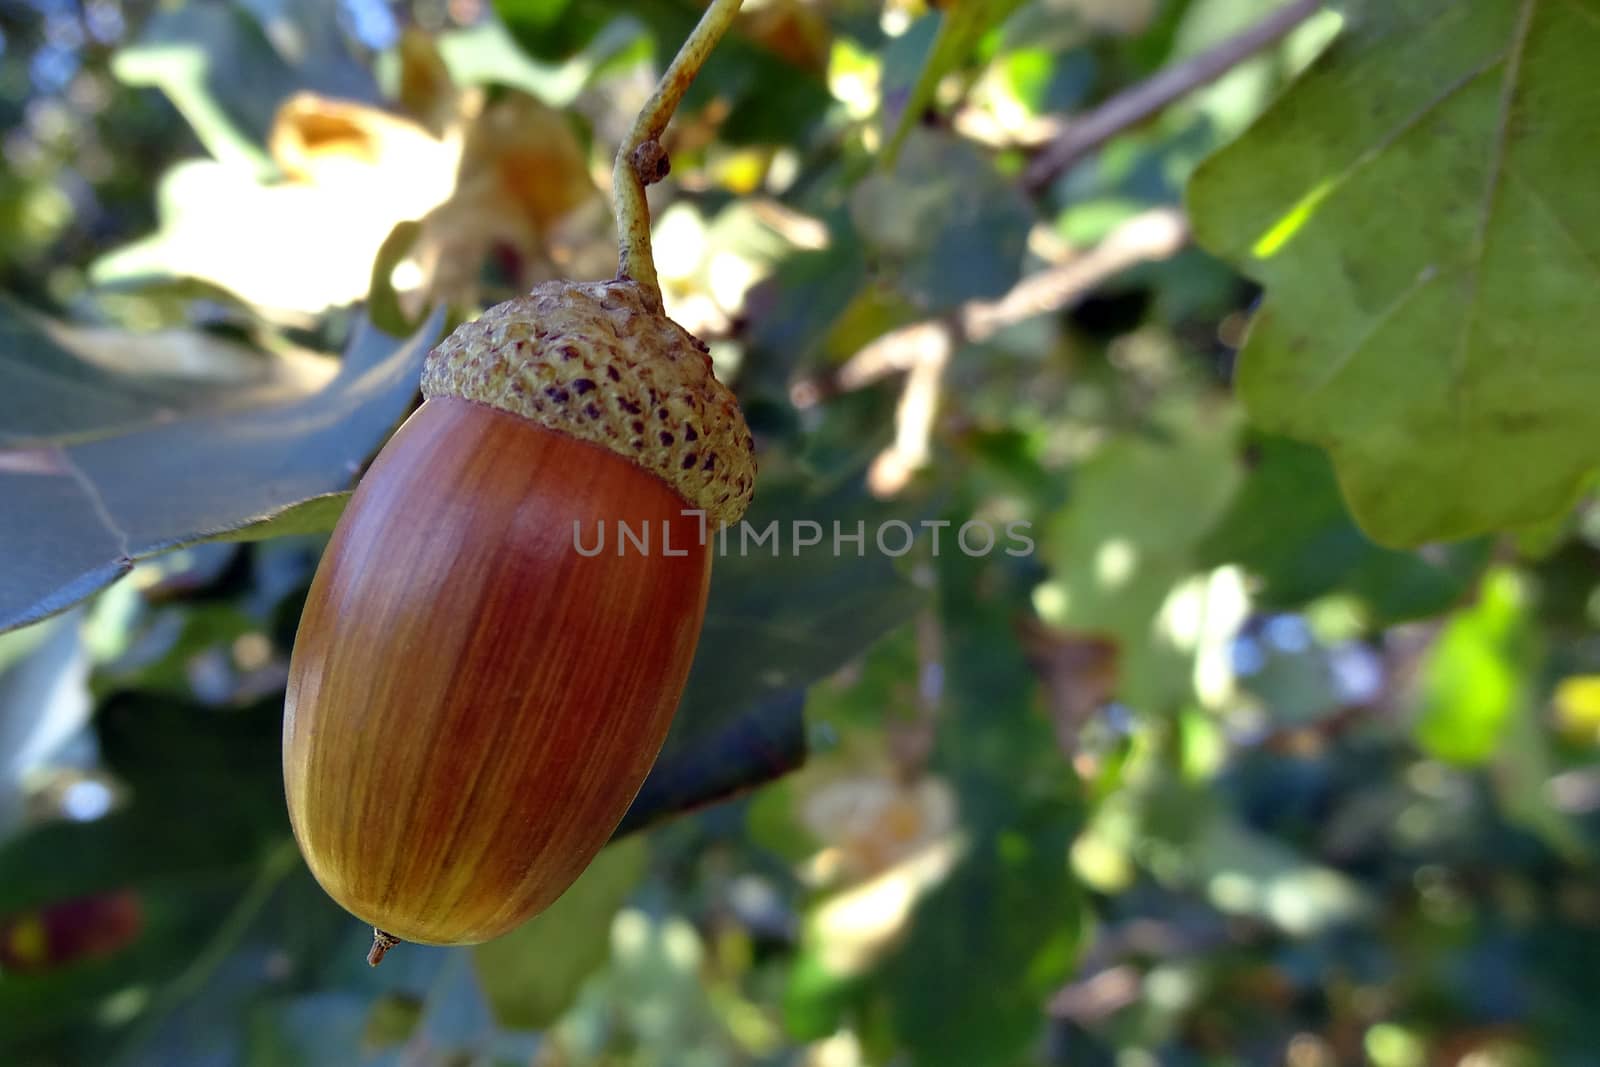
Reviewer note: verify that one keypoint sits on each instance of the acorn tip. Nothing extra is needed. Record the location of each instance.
(382, 942)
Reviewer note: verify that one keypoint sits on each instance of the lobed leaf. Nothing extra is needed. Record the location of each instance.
(1418, 207)
(82, 511)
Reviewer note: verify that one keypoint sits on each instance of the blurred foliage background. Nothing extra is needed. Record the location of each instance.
(1208, 777)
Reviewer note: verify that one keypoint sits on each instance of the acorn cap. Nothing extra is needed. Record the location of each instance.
(594, 361)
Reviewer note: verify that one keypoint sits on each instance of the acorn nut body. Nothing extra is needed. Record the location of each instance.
(480, 684)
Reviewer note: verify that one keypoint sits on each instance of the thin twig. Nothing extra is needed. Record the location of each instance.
(1156, 234)
(894, 467)
(641, 159)
(1152, 235)
(1139, 102)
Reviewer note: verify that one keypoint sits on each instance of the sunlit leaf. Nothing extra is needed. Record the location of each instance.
(1127, 539)
(1247, 873)
(1415, 206)
(1577, 706)
(305, 242)
(1475, 679)
(490, 182)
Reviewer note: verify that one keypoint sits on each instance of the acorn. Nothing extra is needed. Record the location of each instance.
(500, 630)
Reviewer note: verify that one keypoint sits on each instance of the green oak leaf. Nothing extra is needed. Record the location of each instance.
(531, 976)
(1418, 207)
(947, 225)
(102, 468)
(1289, 527)
(1130, 535)
(173, 758)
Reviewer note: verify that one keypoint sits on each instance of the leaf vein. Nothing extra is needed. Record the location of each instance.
(1460, 381)
(1559, 224)
(1424, 278)
(97, 503)
(1412, 122)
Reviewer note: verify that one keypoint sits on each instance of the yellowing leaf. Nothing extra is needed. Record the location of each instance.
(521, 173)
(426, 90)
(496, 181)
(297, 246)
(1577, 704)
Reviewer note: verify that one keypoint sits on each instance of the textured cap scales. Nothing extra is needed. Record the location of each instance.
(595, 362)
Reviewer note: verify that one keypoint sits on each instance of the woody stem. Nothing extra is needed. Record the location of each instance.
(641, 159)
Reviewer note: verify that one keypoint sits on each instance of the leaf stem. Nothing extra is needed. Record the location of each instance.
(275, 866)
(642, 161)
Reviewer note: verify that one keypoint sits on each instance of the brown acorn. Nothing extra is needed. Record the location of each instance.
(476, 693)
